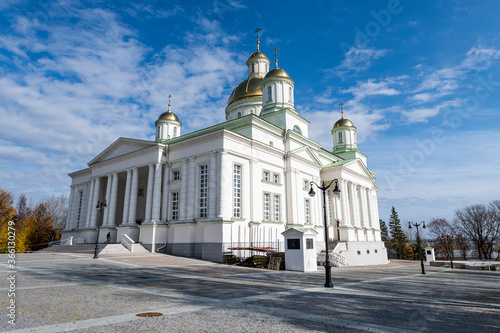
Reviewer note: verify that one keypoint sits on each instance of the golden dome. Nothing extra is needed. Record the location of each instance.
(247, 88)
(277, 72)
(342, 122)
(257, 54)
(169, 115)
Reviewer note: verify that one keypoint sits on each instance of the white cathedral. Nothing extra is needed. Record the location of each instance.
(240, 183)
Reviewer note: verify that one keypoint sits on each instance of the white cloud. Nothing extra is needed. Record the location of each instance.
(83, 85)
(423, 114)
(357, 59)
(479, 58)
(372, 88)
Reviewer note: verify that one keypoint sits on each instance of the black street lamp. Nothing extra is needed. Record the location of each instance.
(450, 242)
(100, 206)
(328, 267)
(419, 245)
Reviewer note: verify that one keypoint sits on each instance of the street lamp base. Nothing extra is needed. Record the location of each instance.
(329, 285)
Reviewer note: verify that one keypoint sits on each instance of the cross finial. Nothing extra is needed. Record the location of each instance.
(342, 109)
(169, 101)
(258, 36)
(276, 56)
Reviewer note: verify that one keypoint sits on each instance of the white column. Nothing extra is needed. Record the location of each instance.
(108, 194)
(191, 202)
(71, 208)
(319, 203)
(132, 213)
(155, 214)
(183, 193)
(149, 195)
(344, 201)
(112, 201)
(212, 186)
(126, 200)
(375, 207)
(364, 208)
(354, 205)
(89, 203)
(226, 172)
(95, 200)
(256, 194)
(165, 194)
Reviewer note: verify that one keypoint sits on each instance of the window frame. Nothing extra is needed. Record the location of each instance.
(174, 214)
(237, 191)
(203, 201)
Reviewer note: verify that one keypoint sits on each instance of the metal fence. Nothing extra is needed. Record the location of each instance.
(247, 249)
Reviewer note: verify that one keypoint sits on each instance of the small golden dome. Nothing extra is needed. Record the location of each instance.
(342, 122)
(277, 72)
(169, 115)
(257, 54)
(247, 88)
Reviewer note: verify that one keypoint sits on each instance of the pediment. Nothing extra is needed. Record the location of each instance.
(120, 147)
(308, 154)
(360, 168)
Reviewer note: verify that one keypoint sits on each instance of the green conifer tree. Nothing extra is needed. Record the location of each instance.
(398, 237)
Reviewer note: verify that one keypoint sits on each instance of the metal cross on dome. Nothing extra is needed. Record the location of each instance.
(169, 101)
(258, 36)
(342, 109)
(276, 56)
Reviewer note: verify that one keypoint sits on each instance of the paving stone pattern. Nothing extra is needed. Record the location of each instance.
(58, 292)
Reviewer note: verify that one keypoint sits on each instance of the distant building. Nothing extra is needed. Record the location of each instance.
(239, 183)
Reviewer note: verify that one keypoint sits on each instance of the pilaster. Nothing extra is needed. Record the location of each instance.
(212, 189)
(149, 195)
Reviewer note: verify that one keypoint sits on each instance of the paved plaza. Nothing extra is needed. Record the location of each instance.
(57, 292)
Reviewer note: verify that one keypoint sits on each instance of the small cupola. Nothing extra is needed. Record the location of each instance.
(277, 89)
(168, 125)
(344, 134)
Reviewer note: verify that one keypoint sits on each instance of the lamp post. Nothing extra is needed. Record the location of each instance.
(100, 206)
(450, 242)
(328, 267)
(419, 246)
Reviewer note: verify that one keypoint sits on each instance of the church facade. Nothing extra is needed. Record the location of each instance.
(237, 184)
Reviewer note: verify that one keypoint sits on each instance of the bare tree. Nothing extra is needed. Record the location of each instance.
(445, 234)
(463, 244)
(481, 225)
(57, 207)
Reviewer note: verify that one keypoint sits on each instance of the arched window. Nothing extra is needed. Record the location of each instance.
(340, 137)
(269, 93)
(175, 131)
(239, 114)
(290, 94)
(296, 129)
(253, 68)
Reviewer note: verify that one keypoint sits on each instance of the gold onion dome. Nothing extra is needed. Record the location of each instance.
(256, 54)
(169, 115)
(247, 88)
(343, 122)
(277, 72)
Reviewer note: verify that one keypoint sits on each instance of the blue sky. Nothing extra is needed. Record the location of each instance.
(420, 80)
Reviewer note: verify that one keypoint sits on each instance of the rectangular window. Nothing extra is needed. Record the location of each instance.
(290, 94)
(175, 205)
(176, 175)
(237, 191)
(203, 190)
(309, 243)
(80, 200)
(265, 176)
(308, 211)
(276, 178)
(269, 93)
(340, 137)
(306, 185)
(276, 208)
(266, 206)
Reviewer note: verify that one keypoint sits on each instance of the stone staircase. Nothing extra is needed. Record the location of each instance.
(121, 249)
